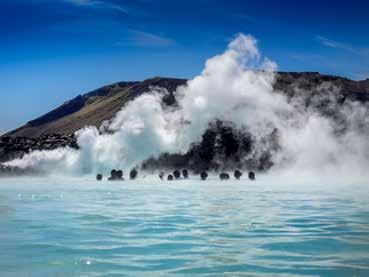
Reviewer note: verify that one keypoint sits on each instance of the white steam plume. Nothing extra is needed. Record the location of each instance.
(236, 86)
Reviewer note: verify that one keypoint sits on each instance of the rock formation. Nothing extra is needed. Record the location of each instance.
(223, 176)
(185, 173)
(133, 174)
(176, 174)
(203, 175)
(237, 174)
(222, 147)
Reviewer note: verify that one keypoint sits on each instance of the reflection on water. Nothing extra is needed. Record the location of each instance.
(80, 227)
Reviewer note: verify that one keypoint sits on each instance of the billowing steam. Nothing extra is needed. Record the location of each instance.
(237, 87)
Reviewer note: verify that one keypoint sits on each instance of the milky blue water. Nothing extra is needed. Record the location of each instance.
(77, 227)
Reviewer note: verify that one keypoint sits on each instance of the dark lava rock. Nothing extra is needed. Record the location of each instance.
(176, 174)
(204, 175)
(185, 173)
(170, 177)
(11, 171)
(113, 175)
(222, 146)
(16, 147)
(161, 175)
(119, 174)
(237, 174)
(252, 175)
(99, 177)
(224, 176)
(116, 175)
(133, 174)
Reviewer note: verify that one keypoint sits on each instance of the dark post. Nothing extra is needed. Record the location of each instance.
(133, 174)
(176, 174)
(237, 174)
(113, 175)
(204, 175)
(185, 173)
(224, 176)
(161, 175)
(119, 175)
(252, 175)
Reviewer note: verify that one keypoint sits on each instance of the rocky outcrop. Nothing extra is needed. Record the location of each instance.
(10, 171)
(222, 147)
(16, 147)
(102, 104)
(95, 107)
(313, 83)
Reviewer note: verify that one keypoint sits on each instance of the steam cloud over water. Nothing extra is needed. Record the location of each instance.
(237, 87)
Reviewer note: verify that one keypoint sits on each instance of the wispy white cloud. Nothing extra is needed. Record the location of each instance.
(84, 2)
(140, 38)
(334, 44)
(98, 4)
(361, 51)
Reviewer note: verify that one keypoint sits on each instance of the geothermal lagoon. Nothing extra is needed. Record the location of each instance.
(147, 227)
(304, 134)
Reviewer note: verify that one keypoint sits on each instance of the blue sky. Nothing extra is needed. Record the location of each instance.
(53, 50)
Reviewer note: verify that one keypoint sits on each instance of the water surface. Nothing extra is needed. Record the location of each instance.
(78, 227)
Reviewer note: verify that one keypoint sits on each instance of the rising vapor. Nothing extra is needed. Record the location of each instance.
(235, 86)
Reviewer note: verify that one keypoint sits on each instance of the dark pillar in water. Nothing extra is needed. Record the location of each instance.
(176, 174)
(237, 174)
(99, 177)
(185, 173)
(224, 176)
(113, 175)
(170, 177)
(204, 175)
(119, 175)
(133, 174)
(161, 175)
(252, 175)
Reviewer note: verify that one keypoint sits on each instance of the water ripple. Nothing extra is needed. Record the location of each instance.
(182, 229)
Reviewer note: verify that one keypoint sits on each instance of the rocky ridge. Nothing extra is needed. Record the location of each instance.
(221, 141)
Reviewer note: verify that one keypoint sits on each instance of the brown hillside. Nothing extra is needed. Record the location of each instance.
(102, 104)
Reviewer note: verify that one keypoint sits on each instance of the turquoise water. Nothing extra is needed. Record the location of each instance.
(71, 227)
